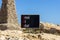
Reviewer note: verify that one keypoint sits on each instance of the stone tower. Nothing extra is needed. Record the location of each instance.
(8, 17)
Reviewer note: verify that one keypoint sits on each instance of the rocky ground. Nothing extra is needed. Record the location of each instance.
(46, 31)
(19, 35)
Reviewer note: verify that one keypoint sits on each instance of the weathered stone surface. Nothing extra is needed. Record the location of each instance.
(50, 28)
(8, 15)
(19, 35)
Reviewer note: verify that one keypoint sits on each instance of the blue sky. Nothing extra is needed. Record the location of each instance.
(49, 10)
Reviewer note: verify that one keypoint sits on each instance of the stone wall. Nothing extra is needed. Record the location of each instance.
(8, 14)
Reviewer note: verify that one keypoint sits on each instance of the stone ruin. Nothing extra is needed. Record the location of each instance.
(8, 17)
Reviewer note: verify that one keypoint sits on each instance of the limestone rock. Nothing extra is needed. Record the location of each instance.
(8, 16)
(19, 35)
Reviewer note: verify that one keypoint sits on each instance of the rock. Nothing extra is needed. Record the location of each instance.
(19, 35)
(8, 16)
(22, 38)
(2, 38)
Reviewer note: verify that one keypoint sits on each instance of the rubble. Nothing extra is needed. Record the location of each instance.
(19, 35)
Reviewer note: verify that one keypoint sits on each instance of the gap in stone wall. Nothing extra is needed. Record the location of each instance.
(0, 3)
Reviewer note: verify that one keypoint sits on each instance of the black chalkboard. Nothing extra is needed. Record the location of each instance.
(30, 21)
